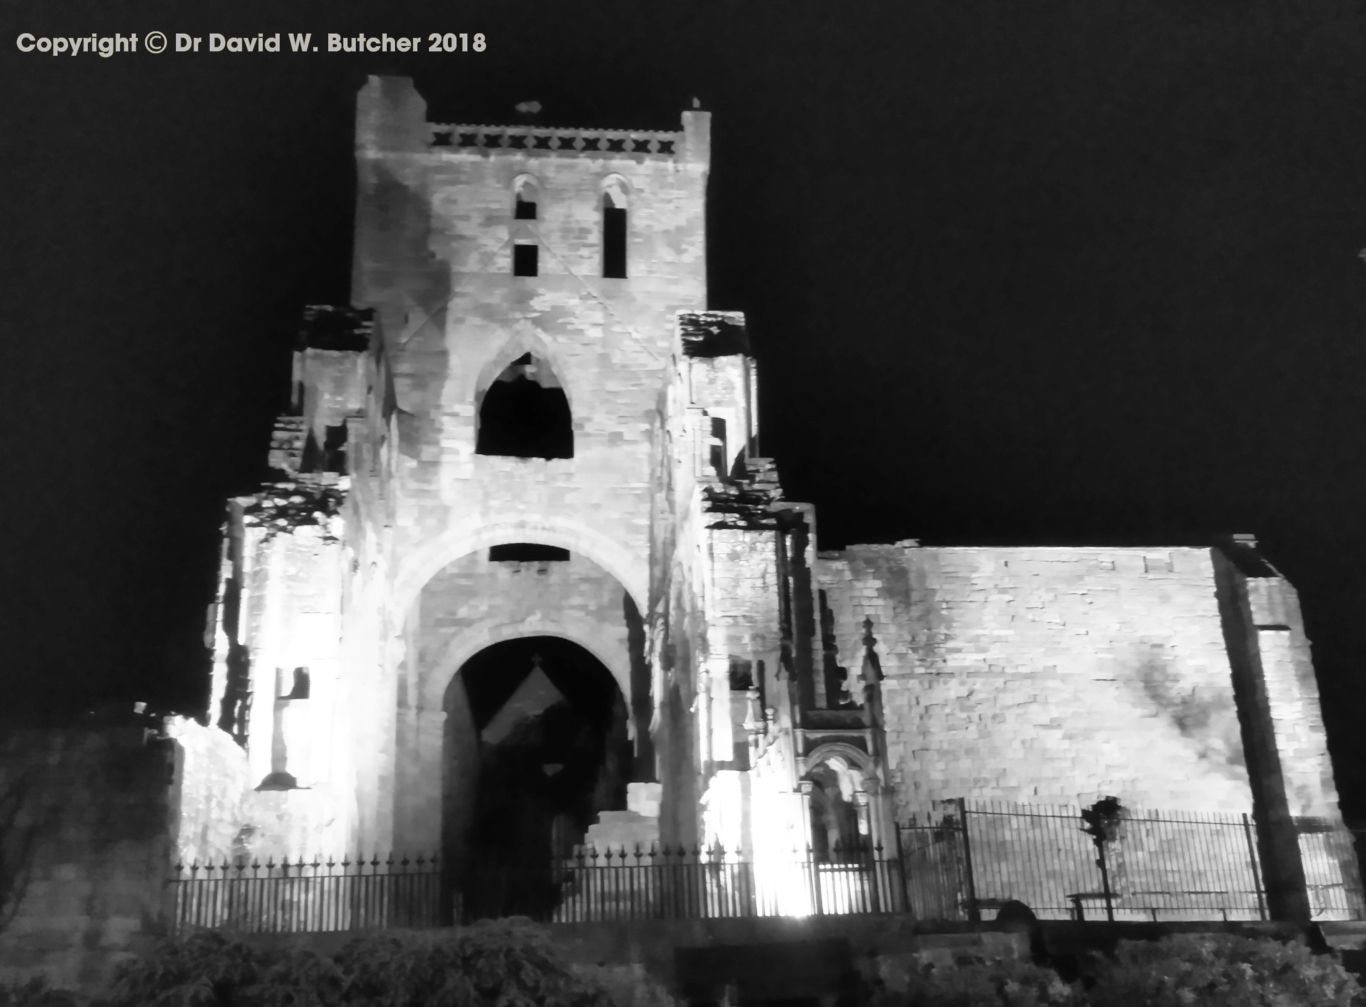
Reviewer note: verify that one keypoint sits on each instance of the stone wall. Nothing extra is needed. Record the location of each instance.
(1047, 675)
(295, 781)
(742, 606)
(102, 809)
(1293, 698)
(1292, 790)
(212, 769)
(292, 610)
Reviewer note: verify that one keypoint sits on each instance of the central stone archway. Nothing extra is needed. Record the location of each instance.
(429, 557)
(480, 601)
(534, 749)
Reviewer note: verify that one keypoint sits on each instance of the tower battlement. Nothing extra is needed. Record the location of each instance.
(563, 141)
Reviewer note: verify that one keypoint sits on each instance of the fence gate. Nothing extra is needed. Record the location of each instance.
(936, 875)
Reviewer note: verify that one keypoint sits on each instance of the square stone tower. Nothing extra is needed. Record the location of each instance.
(510, 375)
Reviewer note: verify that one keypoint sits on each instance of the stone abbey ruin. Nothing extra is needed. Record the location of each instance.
(526, 450)
(521, 586)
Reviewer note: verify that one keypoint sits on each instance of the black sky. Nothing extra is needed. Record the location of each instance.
(1017, 273)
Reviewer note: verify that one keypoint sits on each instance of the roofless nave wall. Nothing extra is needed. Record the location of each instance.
(529, 424)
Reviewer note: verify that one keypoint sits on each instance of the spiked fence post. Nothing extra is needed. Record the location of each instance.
(970, 889)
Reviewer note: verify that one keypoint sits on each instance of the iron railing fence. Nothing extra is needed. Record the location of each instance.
(1169, 865)
(966, 866)
(592, 885)
(1332, 870)
(680, 883)
(308, 896)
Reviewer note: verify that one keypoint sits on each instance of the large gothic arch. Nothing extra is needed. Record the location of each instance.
(429, 557)
(481, 636)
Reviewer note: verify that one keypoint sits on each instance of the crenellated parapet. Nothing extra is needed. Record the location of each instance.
(559, 141)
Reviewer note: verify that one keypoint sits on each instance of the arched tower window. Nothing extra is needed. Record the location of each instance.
(614, 229)
(525, 198)
(525, 414)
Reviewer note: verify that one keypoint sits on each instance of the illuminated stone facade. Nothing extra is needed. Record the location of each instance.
(765, 683)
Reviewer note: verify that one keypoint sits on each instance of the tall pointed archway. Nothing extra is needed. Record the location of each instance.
(536, 747)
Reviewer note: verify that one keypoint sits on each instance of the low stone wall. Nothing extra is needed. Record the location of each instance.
(96, 808)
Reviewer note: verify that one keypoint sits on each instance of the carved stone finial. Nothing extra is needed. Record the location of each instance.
(869, 640)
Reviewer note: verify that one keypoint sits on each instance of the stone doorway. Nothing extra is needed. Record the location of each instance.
(837, 834)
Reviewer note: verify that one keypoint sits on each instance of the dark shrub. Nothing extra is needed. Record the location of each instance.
(38, 993)
(507, 963)
(1186, 970)
(502, 963)
(1220, 970)
(207, 969)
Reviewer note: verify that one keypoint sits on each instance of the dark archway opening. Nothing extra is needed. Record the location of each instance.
(553, 753)
(834, 819)
(525, 414)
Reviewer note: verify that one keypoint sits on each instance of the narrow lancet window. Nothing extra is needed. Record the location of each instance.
(525, 250)
(614, 231)
(525, 200)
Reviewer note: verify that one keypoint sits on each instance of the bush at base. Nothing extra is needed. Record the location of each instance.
(507, 963)
(512, 963)
(38, 993)
(1003, 981)
(1221, 970)
(1185, 970)
(627, 985)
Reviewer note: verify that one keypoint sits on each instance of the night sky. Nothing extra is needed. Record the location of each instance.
(1016, 273)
